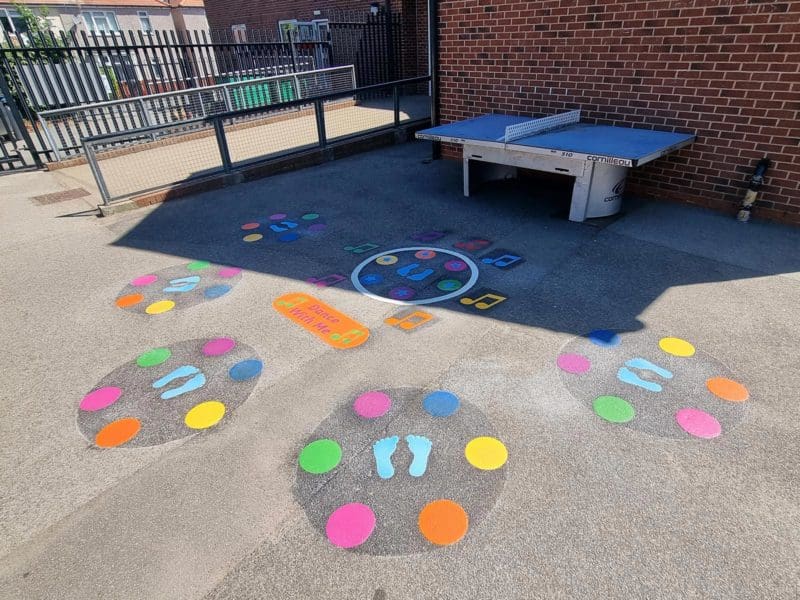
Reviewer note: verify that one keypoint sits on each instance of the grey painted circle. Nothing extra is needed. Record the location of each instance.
(397, 501)
(163, 420)
(473, 279)
(655, 411)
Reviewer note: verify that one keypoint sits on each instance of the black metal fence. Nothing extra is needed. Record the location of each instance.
(373, 43)
(47, 70)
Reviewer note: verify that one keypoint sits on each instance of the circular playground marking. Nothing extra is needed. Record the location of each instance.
(167, 393)
(659, 385)
(443, 522)
(371, 405)
(283, 228)
(415, 275)
(382, 475)
(350, 525)
(178, 287)
(486, 453)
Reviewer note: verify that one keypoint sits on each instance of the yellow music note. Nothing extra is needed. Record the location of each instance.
(409, 322)
(477, 302)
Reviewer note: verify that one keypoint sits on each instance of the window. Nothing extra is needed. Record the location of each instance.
(303, 31)
(12, 22)
(239, 33)
(144, 21)
(101, 21)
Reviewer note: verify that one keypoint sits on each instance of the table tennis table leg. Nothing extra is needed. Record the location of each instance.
(580, 194)
(466, 176)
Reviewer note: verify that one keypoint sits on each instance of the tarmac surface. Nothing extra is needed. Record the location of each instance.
(167, 452)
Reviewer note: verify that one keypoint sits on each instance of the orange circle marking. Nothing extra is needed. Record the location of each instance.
(129, 300)
(727, 389)
(443, 522)
(118, 432)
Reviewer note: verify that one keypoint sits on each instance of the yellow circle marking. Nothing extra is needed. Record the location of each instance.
(252, 237)
(676, 346)
(205, 415)
(162, 306)
(486, 453)
(385, 260)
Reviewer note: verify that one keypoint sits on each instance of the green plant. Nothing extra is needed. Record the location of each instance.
(37, 24)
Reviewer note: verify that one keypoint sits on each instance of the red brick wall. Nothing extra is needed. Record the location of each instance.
(728, 70)
(265, 14)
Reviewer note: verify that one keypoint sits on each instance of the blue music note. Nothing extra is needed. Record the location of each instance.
(406, 272)
(502, 259)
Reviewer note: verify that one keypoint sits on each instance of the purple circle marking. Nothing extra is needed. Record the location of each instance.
(371, 405)
(218, 346)
(350, 525)
(698, 423)
(144, 280)
(277, 216)
(99, 399)
(228, 272)
(402, 293)
(317, 227)
(573, 363)
(455, 265)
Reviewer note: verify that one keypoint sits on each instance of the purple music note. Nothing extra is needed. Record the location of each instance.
(327, 280)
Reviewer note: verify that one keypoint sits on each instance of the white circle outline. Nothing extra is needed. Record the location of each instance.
(467, 286)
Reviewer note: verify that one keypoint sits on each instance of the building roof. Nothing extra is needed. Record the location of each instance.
(114, 3)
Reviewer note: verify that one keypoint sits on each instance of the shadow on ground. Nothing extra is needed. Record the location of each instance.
(574, 276)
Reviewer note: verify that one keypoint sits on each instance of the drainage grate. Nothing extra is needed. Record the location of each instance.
(72, 194)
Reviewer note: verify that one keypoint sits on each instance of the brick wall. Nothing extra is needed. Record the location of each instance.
(728, 70)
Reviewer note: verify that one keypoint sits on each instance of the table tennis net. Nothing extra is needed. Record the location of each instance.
(528, 128)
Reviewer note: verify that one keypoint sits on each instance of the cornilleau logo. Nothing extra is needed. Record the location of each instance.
(619, 188)
(609, 160)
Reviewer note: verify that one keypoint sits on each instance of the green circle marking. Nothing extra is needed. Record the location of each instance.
(198, 265)
(613, 409)
(310, 216)
(153, 357)
(320, 456)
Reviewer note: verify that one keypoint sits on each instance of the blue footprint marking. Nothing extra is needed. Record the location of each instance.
(383, 450)
(183, 284)
(420, 447)
(195, 383)
(625, 374)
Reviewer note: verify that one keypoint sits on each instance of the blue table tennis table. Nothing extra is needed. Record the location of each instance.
(597, 156)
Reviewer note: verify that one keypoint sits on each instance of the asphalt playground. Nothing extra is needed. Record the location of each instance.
(606, 409)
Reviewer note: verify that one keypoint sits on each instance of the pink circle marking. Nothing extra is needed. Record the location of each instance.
(98, 399)
(455, 265)
(144, 280)
(350, 525)
(229, 272)
(698, 423)
(248, 226)
(371, 405)
(573, 363)
(218, 346)
(277, 216)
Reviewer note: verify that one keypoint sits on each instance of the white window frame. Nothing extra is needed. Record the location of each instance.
(109, 16)
(286, 25)
(239, 33)
(144, 17)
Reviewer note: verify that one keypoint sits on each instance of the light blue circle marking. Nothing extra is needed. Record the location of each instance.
(371, 279)
(441, 403)
(216, 291)
(246, 369)
(605, 338)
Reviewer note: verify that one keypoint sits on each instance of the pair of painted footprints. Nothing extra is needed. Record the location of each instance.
(419, 446)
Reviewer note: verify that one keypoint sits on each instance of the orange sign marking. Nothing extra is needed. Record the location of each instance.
(328, 324)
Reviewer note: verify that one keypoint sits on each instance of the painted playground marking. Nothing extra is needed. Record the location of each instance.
(282, 228)
(415, 275)
(178, 287)
(658, 385)
(168, 393)
(398, 471)
(331, 326)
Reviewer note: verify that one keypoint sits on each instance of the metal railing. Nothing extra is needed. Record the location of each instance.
(155, 157)
(64, 128)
